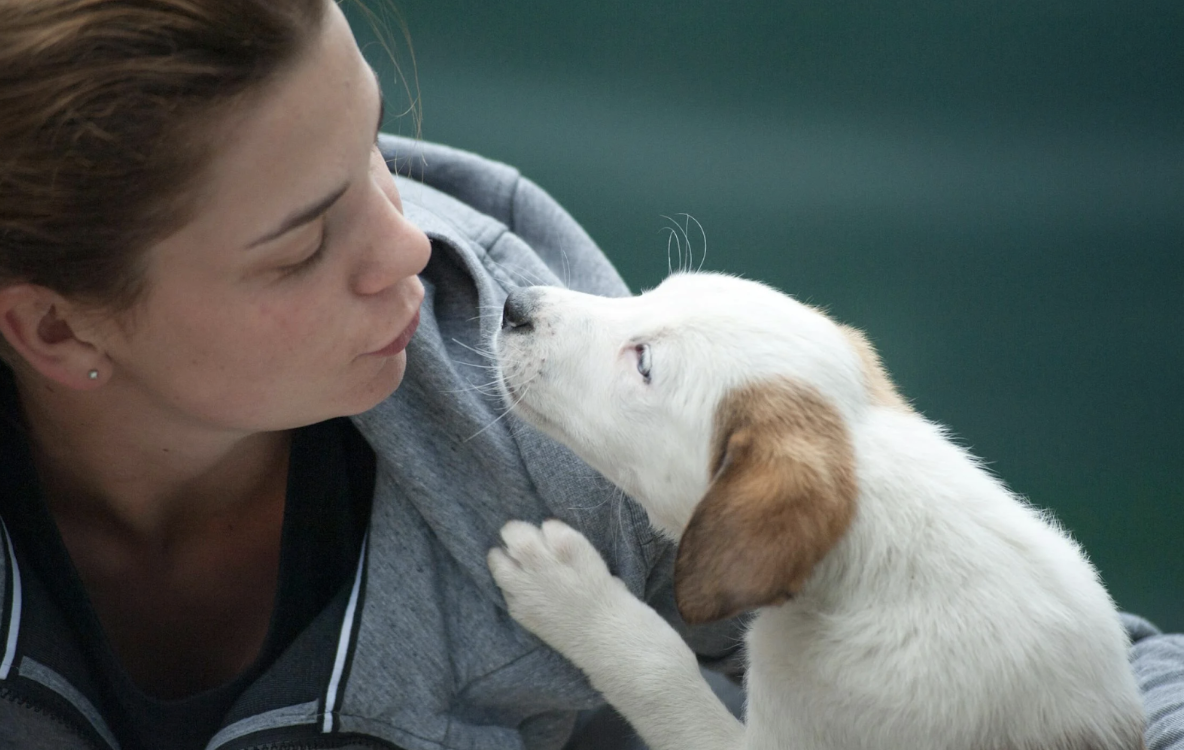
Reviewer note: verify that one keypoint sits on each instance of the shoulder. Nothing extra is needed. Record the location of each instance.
(490, 208)
(484, 185)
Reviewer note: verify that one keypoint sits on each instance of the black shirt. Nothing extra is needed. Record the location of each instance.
(327, 508)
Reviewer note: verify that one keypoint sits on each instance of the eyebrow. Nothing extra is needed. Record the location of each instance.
(302, 217)
(310, 213)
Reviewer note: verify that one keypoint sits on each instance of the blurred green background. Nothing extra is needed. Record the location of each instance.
(993, 191)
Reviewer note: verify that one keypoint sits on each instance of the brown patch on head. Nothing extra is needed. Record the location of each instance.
(782, 495)
(879, 385)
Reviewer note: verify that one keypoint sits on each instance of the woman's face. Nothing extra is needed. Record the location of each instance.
(290, 297)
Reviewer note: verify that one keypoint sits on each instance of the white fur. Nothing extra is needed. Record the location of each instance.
(950, 615)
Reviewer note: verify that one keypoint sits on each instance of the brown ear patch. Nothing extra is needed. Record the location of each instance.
(879, 385)
(782, 495)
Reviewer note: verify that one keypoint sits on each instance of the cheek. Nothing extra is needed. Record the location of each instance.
(285, 328)
(242, 344)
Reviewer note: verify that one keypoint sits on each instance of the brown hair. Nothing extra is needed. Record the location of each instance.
(106, 108)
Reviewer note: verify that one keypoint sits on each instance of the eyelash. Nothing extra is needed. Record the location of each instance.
(307, 263)
(381, 114)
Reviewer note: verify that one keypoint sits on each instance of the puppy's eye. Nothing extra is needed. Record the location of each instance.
(643, 360)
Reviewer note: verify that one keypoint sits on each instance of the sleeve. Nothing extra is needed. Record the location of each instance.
(1158, 662)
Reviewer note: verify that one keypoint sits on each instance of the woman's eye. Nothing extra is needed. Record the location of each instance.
(643, 361)
(309, 261)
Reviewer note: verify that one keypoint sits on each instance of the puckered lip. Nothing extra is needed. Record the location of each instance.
(400, 342)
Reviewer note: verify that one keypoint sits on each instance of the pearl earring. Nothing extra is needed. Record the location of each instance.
(93, 374)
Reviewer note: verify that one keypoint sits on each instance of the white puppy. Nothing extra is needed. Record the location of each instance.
(907, 600)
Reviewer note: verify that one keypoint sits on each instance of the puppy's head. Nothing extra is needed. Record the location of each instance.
(721, 405)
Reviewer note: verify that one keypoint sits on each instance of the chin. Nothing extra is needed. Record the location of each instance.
(380, 386)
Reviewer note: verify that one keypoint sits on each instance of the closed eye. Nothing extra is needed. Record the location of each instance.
(309, 261)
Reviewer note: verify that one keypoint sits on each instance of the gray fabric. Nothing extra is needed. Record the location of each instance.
(25, 728)
(305, 713)
(438, 662)
(1158, 660)
(40, 673)
(12, 628)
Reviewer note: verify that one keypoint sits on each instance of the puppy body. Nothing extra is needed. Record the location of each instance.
(906, 598)
(949, 616)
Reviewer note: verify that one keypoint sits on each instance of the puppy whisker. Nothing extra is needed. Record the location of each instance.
(507, 410)
(528, 276)
(672, 237)
(679, 233)
(485, 353)
(485, 389)
(479, 365)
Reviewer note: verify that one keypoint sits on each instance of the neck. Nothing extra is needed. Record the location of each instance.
(106, 460)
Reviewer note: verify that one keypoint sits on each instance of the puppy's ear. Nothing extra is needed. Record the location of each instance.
(782, 494)
(879, 386)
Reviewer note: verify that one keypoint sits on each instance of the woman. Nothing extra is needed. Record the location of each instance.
(249, 470)
(206, 266)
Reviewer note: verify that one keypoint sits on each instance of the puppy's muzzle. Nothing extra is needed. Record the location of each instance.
(520, 307)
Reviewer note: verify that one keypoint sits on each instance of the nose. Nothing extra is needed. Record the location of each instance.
(394, 249)
(519, 308)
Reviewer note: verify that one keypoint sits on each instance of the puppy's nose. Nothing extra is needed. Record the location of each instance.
(519, 307)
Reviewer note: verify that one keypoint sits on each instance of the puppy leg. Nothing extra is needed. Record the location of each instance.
(558, 587)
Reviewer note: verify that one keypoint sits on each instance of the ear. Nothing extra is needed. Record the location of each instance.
(879, 386)
(782, 495)
(40, 325)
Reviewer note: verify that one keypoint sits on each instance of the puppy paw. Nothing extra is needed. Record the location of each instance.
(555, 582)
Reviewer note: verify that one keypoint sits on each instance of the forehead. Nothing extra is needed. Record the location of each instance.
(288, 143)
(729, 331)
(728, 308)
